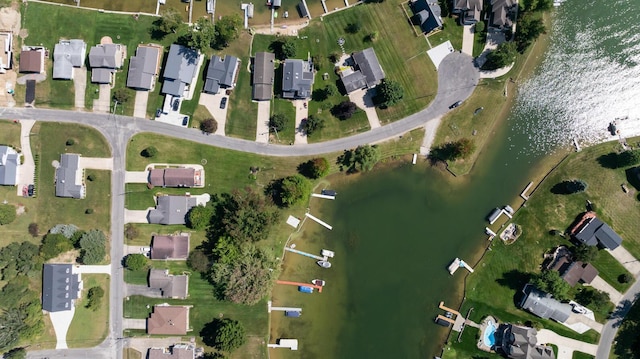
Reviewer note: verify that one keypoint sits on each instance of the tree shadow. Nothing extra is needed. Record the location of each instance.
(210, 331)
(633, 177)
(610, 160)
(514, 279)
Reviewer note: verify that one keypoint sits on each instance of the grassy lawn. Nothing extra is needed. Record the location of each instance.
(10, 134)
(242, 113)
(336, 128)
(466, 348)
(88, 327)
(285, 107)
(490, 95)
(581, 355)
(451, 31)
(610, 270)
(130, 353)
(479, 40)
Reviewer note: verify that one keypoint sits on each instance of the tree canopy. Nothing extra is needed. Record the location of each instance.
(209, 125)
(585, 253)
(53, 245)
(363, 158)
(200, 36)
(21, 313)
(227, 29)
(199, 217)
(170, 22)
(149, 152)
(315, 168)
(388, 93)
(453, 151)
(530, 27)
(93, 247)
(344, 110)
(289, 190)
(312, 124)
(278, 121)
(550, 281)
(199, 261)
(283, 48)
(503, 55)
(224, 334)
(19, 259)
(135, 261)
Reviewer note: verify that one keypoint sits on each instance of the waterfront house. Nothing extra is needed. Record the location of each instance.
(468, 11)
(171, 286)
(180, 70)
(544, 305)
(365, 73)
(70, 177)
(170, 247)
(518, 342)
(591, 231)
(9, 162)
(143, 67)
(297, 79)
(67, 55)
(104, 60)
(221, 73)
(168, 320)
(60, 287)
(426, 15)
(574, 272)
(263, 76)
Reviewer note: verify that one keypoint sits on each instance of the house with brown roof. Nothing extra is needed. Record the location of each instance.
(574, 272)
(171, 286)
(168, 320)
(177, 351)
(170, 247)
(32, 59)
(176, 177)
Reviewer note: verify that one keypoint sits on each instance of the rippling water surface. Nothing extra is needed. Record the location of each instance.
(590, 77)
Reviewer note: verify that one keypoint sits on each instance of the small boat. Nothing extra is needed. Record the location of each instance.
(292, 313)
(329, 192)
(324, 264)
(305, 289)
(327, 253)
(318, 282)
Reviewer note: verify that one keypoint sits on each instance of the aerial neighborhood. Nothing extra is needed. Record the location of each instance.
(170, 170)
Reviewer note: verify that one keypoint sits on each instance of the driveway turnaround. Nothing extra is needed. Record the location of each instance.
(364, 100)
(26, 171)
(566, 346)
(140, 104)
(93, 269)
(212, 103)
(131, 216)
(80, 85)
(136, 177)
(262, 130)
(129, 323)
(61, 322)
(302, 113)
(96, 163)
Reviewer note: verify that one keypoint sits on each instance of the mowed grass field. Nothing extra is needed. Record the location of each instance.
(89, 327)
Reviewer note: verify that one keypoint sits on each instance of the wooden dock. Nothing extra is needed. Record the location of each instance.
(442, 317)
(299, 284)
(442, 306)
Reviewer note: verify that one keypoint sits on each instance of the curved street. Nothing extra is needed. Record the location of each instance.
(457, 79)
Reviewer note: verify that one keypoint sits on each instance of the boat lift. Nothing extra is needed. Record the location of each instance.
(305, 254)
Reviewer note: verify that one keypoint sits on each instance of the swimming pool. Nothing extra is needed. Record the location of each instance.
(488, 337)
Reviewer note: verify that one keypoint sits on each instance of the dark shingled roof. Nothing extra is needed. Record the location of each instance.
(263, 76)
(521, 343)
(60, 287)
(543, 305)
(297, 79)
(171, 286)
(143, 67)
(66, 176)
(171, 209)
(220, 73)
(168, 320)
(367, 62)
(574, 272)
(594, 231)
(172, 177)
(175, 352)
(31, 61)
(433, 21)
(170, 247)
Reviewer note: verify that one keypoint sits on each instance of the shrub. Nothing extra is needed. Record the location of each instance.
(209, 125)
(88, 211)
(224, 334)
(452, 151)
(315, 168)
(70, 142)
(135, 261)
(149, 152)
(313, 124)
(7, 213)
(353, 28)
(344, 110)
(94, 298)
(199, 217)
(130, 231)
(54, 244)
(479, 27)
(66, 230)
(625, 278)
(91, 178)
(198, 261)
(92, 245)
(283, 48)
(334, 57)
(121, 95)
(278, 121)
(33, 229)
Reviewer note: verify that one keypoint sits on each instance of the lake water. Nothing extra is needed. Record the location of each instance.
(396, 230)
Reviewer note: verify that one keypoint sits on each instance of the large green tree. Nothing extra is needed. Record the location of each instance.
(19, 259)
(530, 27)
(135, 261)
(283, 48)
(585, 253)
(224, 334)
(289, 190)
(199, 217)
(312, 124)
(93, 247)
(315, 168)
(227, 29)
(170, 22)
(388, 93)
(550, 281)
(201, 36)
(503, 55)
(53, 245)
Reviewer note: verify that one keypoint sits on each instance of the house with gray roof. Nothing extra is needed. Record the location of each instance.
(543, 305)
(180, 70)
(297, 79)
(143, 68)
(177, 351)
(519, 342)
(502, 13)
(221, 73)
(60, 287)
(67, 55)
(427, 15)
(366, 71)
(591, 231)
(9, 162)
(70, 177)
(263, 76)
(171, 286)
(171, 209)
(104, 60)
(468, 11)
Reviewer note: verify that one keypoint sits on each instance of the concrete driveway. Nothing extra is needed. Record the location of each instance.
(467, 39)
(129, 323)
(140, 104)
(92, 269)
(212, 103)
(131, 216)
(364, 100)
(79, 85)
(302, 113)
(131, 289)
(626, 259)
(61, 322)
(264, 112)
(566, 346)
(136, 177)
(135, 249)
(26, 171)
(96, 163)
(103, 102)
(143, 344)
(599, 284)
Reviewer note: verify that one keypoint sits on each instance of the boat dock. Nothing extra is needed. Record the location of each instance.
(459, 263)
(524, 195)
(322, 196)
(319, 221)
(300, 284)
(281, 309)
(305, 254)
(285, 343)
(458, 321)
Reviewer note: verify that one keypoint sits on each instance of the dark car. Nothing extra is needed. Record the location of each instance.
(176, 104)
(456, 104)
(185, 121)
(223, 103)
(31, 189)
(158, 112)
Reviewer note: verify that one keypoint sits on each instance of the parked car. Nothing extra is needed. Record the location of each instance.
(176, 104)
(31, 189)
(455, 104)
(223, 103)
(158, 112)
(185, 121)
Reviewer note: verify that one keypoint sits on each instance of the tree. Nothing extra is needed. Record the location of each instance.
(569, 187)
(121, 95)
(54, 245)
(550, 281)
(135, 261)
(344, 110)
(536, 5)
(628, 158)
(199, 217)
(198, 261)
(334, 57)
(200, 36)
(278, 121)
(453, 151)
(585, 253)
(283, 48)
(502, 56)
(170, 22)
(388, 93)
(209, 125)
(373, 36)
(315, 168)
(16, 353)
(224, 334)
(19, 259)
(530, 27)
(593, 298)
(89, 211)
(149, 152)
(319, 61)
(33, 229)
(91, 178)
(92, 245)
(70, 142)
(94, 298)
(227, 29)
(353, 28)
(312, 124)
(331, 90)
(479, 27)
(289, 190)
(7, 213)
(67, 230)
(625, 278)
(130, 231)
(366, 156)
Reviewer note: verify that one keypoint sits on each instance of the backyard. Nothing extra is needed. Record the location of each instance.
(89, 327)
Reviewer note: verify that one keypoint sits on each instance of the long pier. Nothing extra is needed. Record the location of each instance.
(304, 254)
(319, 288)
(326, 225)
(281, 309)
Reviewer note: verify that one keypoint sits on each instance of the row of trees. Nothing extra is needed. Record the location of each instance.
(21, 317)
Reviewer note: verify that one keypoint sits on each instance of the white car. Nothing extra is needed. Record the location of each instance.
(579, 309)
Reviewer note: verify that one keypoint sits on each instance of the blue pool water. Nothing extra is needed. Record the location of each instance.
(488, 337)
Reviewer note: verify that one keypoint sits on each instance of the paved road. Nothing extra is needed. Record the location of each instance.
(457, 78)
(611, 326)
